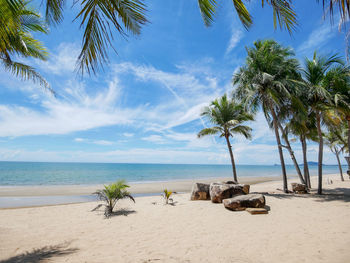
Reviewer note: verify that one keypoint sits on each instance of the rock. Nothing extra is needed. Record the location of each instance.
(242, 202)
(221, 191)
(229, 182)
(299, 188)
(200, 192)
(257, 211)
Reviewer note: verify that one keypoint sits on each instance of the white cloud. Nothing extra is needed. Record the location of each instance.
(155, 139)
(76, 112)
(63, 61)
(128, 134)
(79, 139)
(103, 142)
(236, 36)
(318, 38)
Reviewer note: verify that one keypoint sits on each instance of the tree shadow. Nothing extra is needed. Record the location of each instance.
(41, 254)
(122, 212)
(336, 194)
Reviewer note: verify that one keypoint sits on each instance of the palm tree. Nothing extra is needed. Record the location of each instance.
(17, 21)
(265, 81)
(319, 98)
(228, 117)
(303, 125)
(331, 139)
(111, 194)
(337, 81)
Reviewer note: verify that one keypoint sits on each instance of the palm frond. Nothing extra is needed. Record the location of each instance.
(97, 19)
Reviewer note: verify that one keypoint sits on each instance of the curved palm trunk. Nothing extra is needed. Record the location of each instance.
(339, 164)
(292, 156)
(306, 166)
(280, 151)
(320, 152)
(232, 159)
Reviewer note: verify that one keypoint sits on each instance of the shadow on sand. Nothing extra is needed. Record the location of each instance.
(337, 194)
(41, 254)
(122, 212)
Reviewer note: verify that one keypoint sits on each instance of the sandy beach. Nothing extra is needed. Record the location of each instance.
(298, 228)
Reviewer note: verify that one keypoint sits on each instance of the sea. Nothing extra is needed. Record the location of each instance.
(53, 173)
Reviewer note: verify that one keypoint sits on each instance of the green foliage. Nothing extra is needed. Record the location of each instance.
(228, 117)
(17, 21)
(283, 13)
(166, 195)
(112, 193)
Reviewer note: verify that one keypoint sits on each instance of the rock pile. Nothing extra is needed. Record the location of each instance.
(234, 196)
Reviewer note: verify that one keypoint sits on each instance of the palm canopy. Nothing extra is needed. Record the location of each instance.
(314, 76)
(17, 21)
(337, 83)
(267, 77)
(283, 14)
(227, 116)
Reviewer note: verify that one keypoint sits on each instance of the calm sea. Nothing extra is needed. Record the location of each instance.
(40, 173)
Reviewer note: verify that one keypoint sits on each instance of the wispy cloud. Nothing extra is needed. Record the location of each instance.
(317, 38)
(236, 36)
(77, 111)
(62, 61)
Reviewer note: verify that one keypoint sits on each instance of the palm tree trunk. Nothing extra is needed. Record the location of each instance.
(280, 151)
(339, 164)
(292, 156)
(348, 119)
(306, 166)
(320, 152)
(232, 159)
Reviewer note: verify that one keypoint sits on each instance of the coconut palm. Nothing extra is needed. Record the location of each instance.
(334, 144)
(319, 98)
(111, 194)
(264, 82)
(303, 125)
(337, 81)
(17, 21)
(228, 117)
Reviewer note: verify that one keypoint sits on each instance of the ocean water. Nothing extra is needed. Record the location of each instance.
(40, 173)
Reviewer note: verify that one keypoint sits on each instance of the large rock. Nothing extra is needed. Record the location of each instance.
(242, 202)
(299, 188)
(221, 191)
(200, 192)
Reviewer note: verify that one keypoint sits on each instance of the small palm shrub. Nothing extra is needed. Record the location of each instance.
(111, 194)
(166, 195)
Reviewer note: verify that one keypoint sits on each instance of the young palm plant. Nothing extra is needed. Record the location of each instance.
(228, 117)
(265, 82)
(111, 194)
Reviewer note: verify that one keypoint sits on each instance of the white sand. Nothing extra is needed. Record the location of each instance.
(298, 228)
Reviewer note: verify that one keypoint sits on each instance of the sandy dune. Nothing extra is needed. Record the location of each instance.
(297, 229)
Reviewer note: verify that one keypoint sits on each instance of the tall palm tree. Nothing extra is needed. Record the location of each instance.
(332, 141)
(319, 98)
(264, 82)
(17, 21)
(337, 81)
(304, 126)
(228, 117)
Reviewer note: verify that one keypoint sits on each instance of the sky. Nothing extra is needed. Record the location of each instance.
(144, 107)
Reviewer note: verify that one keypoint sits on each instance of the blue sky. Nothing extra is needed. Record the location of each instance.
(145, 105)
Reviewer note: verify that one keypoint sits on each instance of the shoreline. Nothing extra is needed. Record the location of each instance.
(135, 188)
